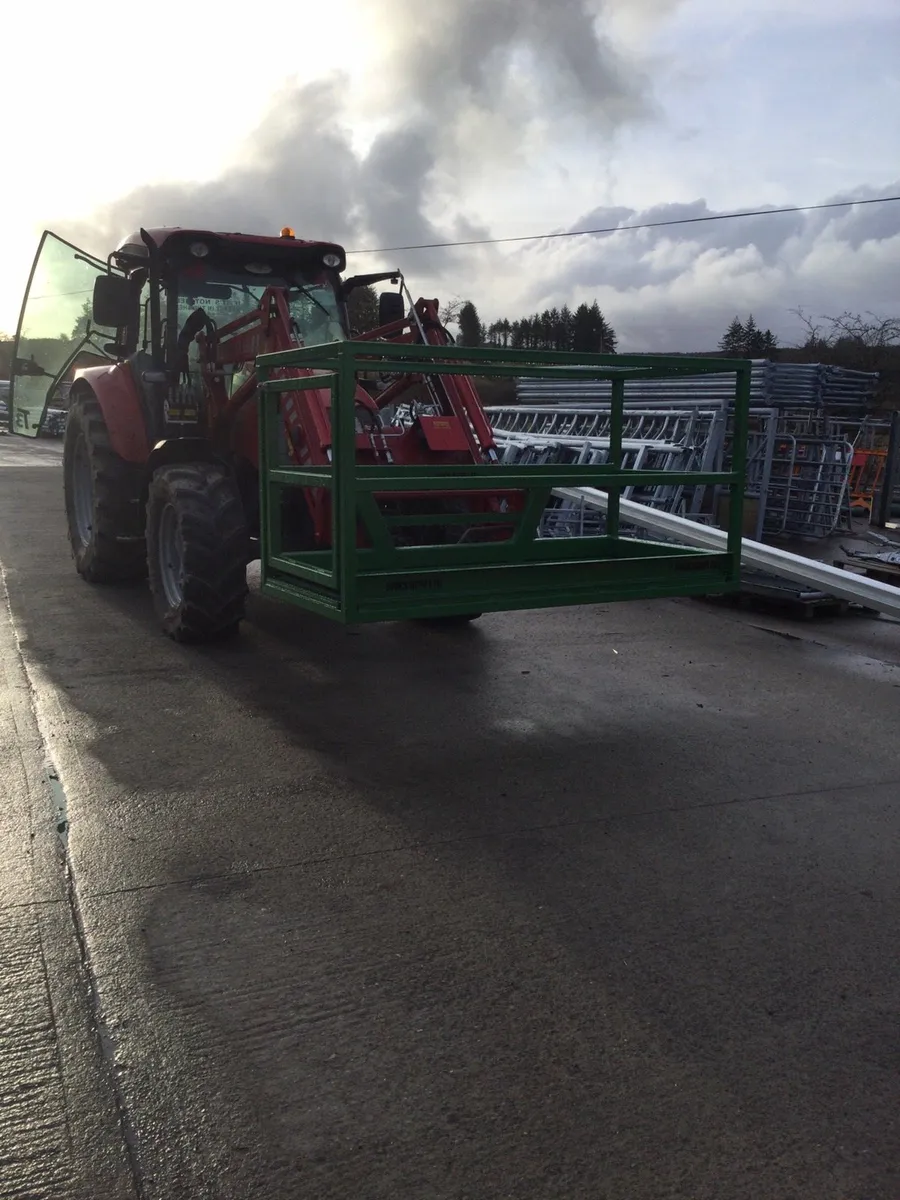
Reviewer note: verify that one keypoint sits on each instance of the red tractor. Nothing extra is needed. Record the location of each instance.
(161, 455)
(376, 493)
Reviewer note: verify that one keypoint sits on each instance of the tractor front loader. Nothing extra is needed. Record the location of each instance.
(222, 410)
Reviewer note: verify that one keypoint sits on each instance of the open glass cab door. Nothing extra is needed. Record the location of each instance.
(56, 335)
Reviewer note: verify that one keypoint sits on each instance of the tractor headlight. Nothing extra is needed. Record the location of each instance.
(199, 249)
(331, 260)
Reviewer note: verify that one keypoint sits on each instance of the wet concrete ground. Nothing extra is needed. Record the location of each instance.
(596, 903)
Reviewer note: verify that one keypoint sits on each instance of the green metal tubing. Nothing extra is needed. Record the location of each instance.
(395, 596)
(294, 593)
(343, 428)
(273, 510)
(492, 478)
(289, 565)
(466, 556)
(617, 422)
(456, 558)
(434, 366)
(385, 581)
(500, 479)
(264, 487)
(526, 531)
(375, 523)
(300, 383)
(739, 464)
(328, 356)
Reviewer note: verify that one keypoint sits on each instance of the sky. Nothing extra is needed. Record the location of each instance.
(386, 123)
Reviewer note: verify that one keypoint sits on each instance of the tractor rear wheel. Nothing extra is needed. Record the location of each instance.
(198, 547)
(102, 494)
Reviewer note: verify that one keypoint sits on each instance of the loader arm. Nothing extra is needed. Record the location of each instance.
(454, 428)
(454, 394)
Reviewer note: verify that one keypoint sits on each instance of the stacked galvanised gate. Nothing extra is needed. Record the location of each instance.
(798, 481)
(665, 439)
(799, 458)
(368, 574)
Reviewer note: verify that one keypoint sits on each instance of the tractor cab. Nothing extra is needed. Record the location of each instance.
(209, 280)
(144, 307)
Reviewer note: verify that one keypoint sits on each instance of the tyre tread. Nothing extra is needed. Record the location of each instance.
(216, 542)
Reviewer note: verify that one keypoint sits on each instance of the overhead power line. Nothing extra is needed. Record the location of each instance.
(570, 233)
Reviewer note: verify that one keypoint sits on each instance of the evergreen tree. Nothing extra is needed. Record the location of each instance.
(362, 309)
(733, 340)
(471, 331)
(564, 332)
(582, 330)
(748, 341)
(559, 329)
(752, 338)
(604, 336)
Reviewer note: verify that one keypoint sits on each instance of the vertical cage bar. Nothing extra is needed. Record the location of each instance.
(343, 435)
(616, 423)
(263, 402)
(739, 467)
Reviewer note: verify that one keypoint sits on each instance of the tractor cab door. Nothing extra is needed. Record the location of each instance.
(55, 337)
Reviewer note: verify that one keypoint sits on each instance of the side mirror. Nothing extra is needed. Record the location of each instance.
(391, 308)
(112, 307)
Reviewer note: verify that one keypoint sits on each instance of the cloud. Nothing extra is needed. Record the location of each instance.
(299, 164)
(476, 80)
(473, 52)
(492, 98)
(677, 288)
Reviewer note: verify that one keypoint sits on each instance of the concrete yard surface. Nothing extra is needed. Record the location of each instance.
(589, 904)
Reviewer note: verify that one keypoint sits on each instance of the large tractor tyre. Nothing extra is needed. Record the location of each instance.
(102, 493)
(198, 547)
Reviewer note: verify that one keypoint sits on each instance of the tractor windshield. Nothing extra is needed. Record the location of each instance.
(225, 295)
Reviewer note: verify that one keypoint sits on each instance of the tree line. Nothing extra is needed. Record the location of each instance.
(584, 329)
(743, 339)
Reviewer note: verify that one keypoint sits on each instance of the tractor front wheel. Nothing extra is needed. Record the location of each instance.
(102, 494)
(198, 547)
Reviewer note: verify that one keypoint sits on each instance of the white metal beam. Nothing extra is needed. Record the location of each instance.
(843, 584)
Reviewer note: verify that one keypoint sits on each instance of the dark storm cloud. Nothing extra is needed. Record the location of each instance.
(470, 51)
(394, 182)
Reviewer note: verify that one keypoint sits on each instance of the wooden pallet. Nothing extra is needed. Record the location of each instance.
(787, 600)
(882, 572)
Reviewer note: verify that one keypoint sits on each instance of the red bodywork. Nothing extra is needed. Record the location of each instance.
(117, 394)
(459, 433)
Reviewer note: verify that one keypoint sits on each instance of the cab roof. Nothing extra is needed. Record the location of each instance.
(175, 240)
